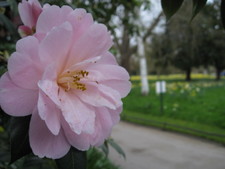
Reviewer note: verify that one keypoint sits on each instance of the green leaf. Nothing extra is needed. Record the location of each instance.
(197, 6)
(34, 162)
(19, 137)
(105, 148)
(74, 159)
(4, 156)
(170, 7)
(8, 24)
(117, 147)
(222, 11)
(14, 6)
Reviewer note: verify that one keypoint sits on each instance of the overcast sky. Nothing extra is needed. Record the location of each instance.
(148, 16)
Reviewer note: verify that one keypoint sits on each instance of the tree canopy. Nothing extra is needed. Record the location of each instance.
(187, 45)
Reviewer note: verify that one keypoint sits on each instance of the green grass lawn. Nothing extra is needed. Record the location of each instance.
(198, 105)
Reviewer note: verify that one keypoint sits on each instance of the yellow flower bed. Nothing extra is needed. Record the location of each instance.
(174, 76)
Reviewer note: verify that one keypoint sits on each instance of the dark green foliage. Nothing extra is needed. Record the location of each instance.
(222, 11)
(74, 159)
(7, 126)
(13, 4)
(19, 139)
(8, 13)
(4, 147)
(8, 24)
(96, 160)
(161, 52)
(176, 46)
(170, 7)
(211, 38)
(187, 45)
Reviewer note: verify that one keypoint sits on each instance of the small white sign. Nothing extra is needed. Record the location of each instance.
(160, 87)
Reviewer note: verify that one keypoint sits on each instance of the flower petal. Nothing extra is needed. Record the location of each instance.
(108, 58)
(115, 114)
(48, 83)
(94, 97)
(122, 86)
(49, 112)
(43, 142)
(47, 19)
(24, 65)
(103, 126)
(14, 100)
(101, 72)
(29, 12)
(110, 94)
(80, 141)
(48, 103)
(36, 9)
(79, 116)
(56, 44)
(81, 21)
(23, 71)
(29, 47)
(52, 16)
(94, 42)
(51, 90)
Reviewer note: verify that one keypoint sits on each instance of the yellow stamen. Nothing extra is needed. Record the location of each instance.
(71, 80)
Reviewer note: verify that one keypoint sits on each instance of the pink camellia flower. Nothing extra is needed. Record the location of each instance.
(29, 12)
(65, 77)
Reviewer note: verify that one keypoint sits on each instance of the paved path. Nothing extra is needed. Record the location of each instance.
(148, 148)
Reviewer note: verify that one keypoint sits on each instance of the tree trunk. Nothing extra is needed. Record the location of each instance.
(188, 75)
(144, 77)
(218, 74)
(125, 62)
(143, 67)
(125, 48)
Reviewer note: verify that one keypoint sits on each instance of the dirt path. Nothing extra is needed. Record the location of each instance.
(148, 148)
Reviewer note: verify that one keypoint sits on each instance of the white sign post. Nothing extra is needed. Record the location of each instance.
(160, 88)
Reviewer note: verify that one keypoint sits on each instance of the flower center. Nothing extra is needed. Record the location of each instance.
(72, 80)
